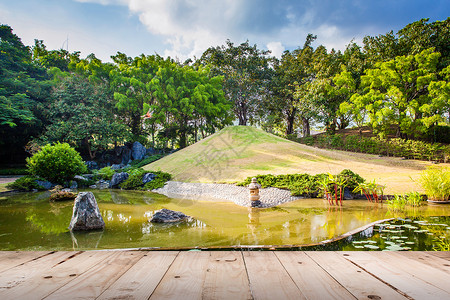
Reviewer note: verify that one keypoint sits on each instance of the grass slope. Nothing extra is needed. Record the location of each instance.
(237, 152)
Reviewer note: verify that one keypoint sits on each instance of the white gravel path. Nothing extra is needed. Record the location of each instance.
(224, 192)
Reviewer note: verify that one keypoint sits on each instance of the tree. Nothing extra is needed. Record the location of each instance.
(23, 91)
(396, 93)
(131, 82)
(187, 100)
(246, 74)
(82, 115)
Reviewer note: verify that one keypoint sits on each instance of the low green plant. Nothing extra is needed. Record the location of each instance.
(398, 202)
(14, 171)
(306, 185)
(25, 183)
(56, 163)
(146, 161)
(134, 179)
(106, 173)
(159, 181)
(436, 183)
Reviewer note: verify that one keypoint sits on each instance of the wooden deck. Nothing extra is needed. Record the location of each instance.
(224, 275)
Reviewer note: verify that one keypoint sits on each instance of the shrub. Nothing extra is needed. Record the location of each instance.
(436, 183)
(25, 183)
(159, 181)
(57, 163)
(14, 171)
(302, 184)
(106, 173)
(134, 179)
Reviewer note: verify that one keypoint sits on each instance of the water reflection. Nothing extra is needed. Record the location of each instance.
(28, 221)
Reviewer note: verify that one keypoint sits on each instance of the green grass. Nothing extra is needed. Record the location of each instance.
(237, 152)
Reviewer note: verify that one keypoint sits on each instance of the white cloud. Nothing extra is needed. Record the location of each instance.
(276, 48)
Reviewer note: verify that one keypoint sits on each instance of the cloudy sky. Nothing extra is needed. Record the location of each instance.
(185, 28)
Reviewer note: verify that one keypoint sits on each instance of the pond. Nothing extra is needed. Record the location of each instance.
(28, 221)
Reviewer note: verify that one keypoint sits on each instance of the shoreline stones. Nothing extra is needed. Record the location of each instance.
(86, 214)
(118, 178)
(169, 216)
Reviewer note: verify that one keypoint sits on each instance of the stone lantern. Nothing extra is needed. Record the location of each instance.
(254, 193)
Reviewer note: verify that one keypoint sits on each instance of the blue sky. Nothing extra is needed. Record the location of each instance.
(186, 28)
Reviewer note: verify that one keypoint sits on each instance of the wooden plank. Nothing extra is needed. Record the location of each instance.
(98, 278)
(428, 274)
(185, 277)
(268, 278)
(226, 277)
(43, 284)
(21, 273)
(313, 281)
(10, 259)
(140, 280)
(426, 258)
(359, 283)
(405, 275)
(441, 254)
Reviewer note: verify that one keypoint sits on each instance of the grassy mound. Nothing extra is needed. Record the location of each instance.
(237, 152)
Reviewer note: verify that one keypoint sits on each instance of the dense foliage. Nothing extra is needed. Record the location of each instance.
(56, 163)
(395, 83)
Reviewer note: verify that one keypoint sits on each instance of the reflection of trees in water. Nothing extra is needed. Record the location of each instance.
(52, 218)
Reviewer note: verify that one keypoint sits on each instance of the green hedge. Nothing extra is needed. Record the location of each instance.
(397, 147)
(303, 184)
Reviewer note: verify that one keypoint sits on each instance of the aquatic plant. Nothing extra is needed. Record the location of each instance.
(372, 191)
(436, 183)
(399, 202)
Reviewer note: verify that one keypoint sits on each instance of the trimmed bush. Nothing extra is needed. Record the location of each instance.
(58, 163)
(303, 184)
(375, 145)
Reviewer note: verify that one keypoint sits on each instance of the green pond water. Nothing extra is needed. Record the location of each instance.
(28, 221)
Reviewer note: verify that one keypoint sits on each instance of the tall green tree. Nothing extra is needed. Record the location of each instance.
(131, 83)
(24, 88)
(396, 93)
(82, 114)
(246, 73)
(186, 100)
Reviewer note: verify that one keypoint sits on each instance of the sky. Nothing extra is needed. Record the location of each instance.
(186, 28)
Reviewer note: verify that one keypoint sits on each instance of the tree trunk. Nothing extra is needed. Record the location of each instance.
(306, 130)
(290, 122)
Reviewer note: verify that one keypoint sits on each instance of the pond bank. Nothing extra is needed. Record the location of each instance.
(219, 192)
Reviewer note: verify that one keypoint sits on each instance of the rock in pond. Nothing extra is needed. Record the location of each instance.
(169, 216)
(117, 179)
(86, 214)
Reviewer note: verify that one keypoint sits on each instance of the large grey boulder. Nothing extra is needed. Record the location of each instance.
(86, 215)
(117, 179)
(169, 216)
(138, 151)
